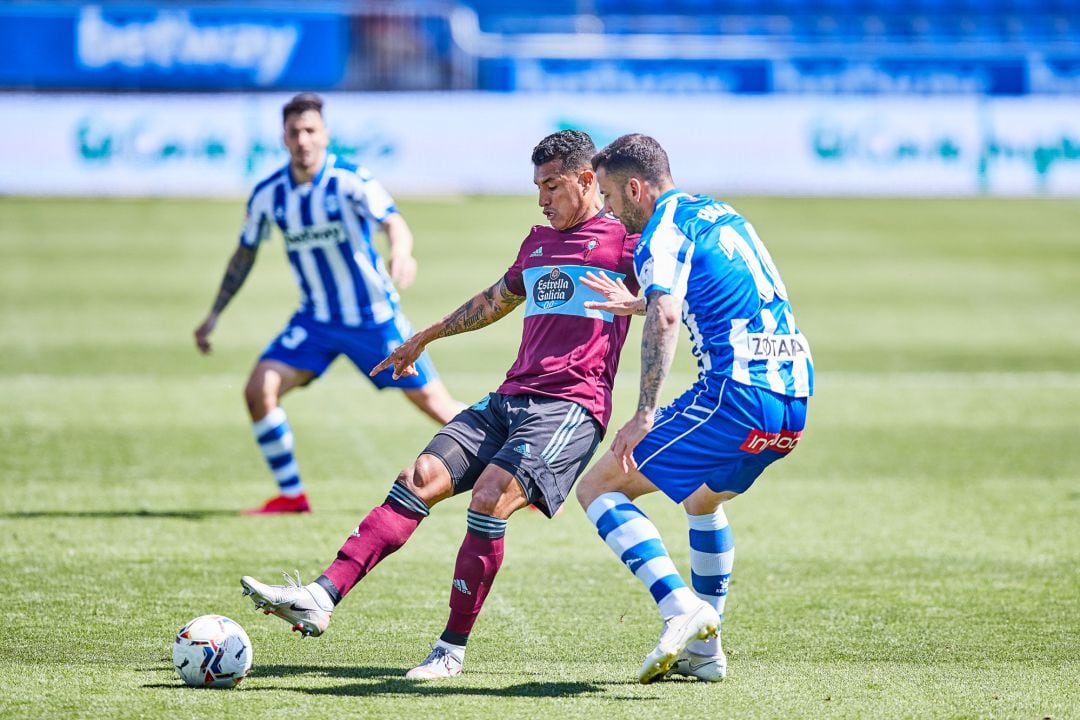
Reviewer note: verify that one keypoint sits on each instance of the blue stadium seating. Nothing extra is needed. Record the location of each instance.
(805, 21)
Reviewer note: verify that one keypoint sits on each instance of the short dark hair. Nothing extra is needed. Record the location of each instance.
(573, 147)
(302, 103)
(634, 154)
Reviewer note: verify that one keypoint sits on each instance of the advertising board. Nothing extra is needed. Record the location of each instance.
(452, 143)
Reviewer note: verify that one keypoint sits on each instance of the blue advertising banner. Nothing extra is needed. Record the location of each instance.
(625, 75)
(139, 47)
(902, 76)
(828, 75)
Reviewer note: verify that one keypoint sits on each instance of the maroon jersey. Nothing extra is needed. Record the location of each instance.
(568, 352)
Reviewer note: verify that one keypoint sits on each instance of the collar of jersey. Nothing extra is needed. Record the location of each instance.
(666, 196)
(327, 161)
(657, 213)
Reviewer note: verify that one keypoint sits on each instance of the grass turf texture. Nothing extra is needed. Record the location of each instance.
(917, 557)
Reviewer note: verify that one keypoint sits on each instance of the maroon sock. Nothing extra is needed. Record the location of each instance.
(478, 561)
(381, 532)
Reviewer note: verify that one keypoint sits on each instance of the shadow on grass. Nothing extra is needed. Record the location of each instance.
(389, 681)
(401, 686)
(119, 514)
(351, 672)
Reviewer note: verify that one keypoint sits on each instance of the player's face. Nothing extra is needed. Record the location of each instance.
(306, 139)
(619, 201)
(566, 196)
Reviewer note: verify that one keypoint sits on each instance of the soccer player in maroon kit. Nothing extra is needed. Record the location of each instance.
(527, 442)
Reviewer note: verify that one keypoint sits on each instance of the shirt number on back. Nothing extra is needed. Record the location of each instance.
(757, 259)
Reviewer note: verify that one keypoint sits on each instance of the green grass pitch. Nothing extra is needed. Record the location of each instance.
(918, 556)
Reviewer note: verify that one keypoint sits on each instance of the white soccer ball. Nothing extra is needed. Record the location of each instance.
(212, 651)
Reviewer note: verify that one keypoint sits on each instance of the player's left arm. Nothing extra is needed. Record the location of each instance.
(479, 311)
(401, 263)
(659, 338)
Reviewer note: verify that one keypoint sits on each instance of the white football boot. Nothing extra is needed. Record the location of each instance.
(440, 664)
(710, 668)
(306, 607)
(679, 631)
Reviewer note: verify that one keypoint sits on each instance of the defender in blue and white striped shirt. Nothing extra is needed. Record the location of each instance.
(326, 210)
(700, 259)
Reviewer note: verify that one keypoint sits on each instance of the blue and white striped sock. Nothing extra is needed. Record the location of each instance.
(636, 541)
(712, 552)
(275, 440)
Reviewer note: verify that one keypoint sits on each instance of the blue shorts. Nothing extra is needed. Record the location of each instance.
(719, 433)
(309, 345)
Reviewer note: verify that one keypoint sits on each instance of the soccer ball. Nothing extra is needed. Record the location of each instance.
(212, 651)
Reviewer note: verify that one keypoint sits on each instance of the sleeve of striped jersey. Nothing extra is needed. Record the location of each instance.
(256, 226)
(371, 198)
(662, 260)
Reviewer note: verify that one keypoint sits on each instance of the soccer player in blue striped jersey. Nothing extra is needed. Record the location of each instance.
(699, 258)
(326, 210)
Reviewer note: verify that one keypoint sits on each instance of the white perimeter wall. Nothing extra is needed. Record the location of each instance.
(210, 145)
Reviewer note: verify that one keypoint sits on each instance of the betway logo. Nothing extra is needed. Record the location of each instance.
(171, 40)
(318, 236)
(759, 440)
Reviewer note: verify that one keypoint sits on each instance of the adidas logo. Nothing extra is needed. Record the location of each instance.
(461, 587)
(524, 450)
(538, 252)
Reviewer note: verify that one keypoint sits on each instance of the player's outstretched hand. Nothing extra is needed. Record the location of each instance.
(402, 270)
(618, 300)
(628, 437)
(202, 334)
(403, 359)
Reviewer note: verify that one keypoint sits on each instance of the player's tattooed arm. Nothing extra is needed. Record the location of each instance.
(660, 336)
(480, 311)
(236, 273)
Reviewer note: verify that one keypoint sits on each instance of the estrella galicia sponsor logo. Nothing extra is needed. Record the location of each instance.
(316, 236)
(553, 289)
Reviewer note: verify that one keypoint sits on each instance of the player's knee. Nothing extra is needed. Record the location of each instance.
(258, 397)
(427, 478)
(585, 491)
(485, 499)
(498, 494)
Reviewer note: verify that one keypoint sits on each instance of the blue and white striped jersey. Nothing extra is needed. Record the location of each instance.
(733, 300)
(327, 226)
